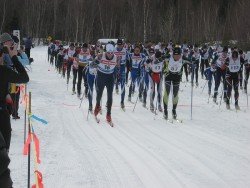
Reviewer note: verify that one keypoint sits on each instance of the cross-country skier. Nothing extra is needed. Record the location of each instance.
(136, 62)
(233, 64)
(122, 54)
(155, 79)
(83, 58)
(209, 74)
(106, 64)
(194, 57)
(247, 70)
(146, 70)
(91, 77)
(204, 59)
(60, 59)
(219, 60)
(242, 56)
(172, 72)
(70, 59)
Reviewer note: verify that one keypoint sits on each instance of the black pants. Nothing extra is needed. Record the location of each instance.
(82, 75)
(171, 80)
(27, 51)
(241, 78)
(186, 71)
(195, 68)
(5, 180)
(247, 70)
(79, 80)
(69, 64)
(204, 63)
(74, 78)
(15, 98)
(5, 127)
(232, 81)
(103, 80)
(220, 74)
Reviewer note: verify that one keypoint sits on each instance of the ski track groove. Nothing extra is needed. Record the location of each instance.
(74, 137)
(132, 150)
(104, 155)
(181, 149)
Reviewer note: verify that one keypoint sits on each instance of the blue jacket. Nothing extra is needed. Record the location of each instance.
(23, 58)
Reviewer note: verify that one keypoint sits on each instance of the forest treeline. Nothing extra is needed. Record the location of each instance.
(195, 21)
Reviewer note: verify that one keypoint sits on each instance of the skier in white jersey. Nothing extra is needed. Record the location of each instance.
(106, 64)
(156, 79)
(233, 64)
(173, 72)
(219, 61)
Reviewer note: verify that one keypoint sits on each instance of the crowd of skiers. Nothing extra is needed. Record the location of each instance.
(152, 67)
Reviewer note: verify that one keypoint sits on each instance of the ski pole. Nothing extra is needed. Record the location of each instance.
(155, 109)
(204, 86)
(247, 97)
(192, 91)
(222, 91)
(137, 97)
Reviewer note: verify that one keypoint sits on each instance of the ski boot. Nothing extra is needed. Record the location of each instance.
(237, 106)
(228, 104)
(160, 108)
(140, 99)
(108, 118)
(165, 116)
(214, 99)
(152, 107)
(122, 105)
(90, 109)
(225, 99)
(129, 98)
(97, 110)
(86, 95)
(174, 114)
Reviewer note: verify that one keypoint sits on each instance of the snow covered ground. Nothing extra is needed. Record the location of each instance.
(142, 150)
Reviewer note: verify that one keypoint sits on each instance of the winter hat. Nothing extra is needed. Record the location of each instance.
(177, 51)
(151, 50)
(225, 49)
(110, 48)
(158, 54)
(84, 45)
(119, 42)
(5, 37)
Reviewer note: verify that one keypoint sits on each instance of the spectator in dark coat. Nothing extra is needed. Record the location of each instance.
(8, 76)
(5, 179)
(28, 45)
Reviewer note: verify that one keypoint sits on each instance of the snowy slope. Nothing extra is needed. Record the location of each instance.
(142, 150)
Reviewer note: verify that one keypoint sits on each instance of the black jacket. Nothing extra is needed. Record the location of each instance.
(5, 180)
(10, 76)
